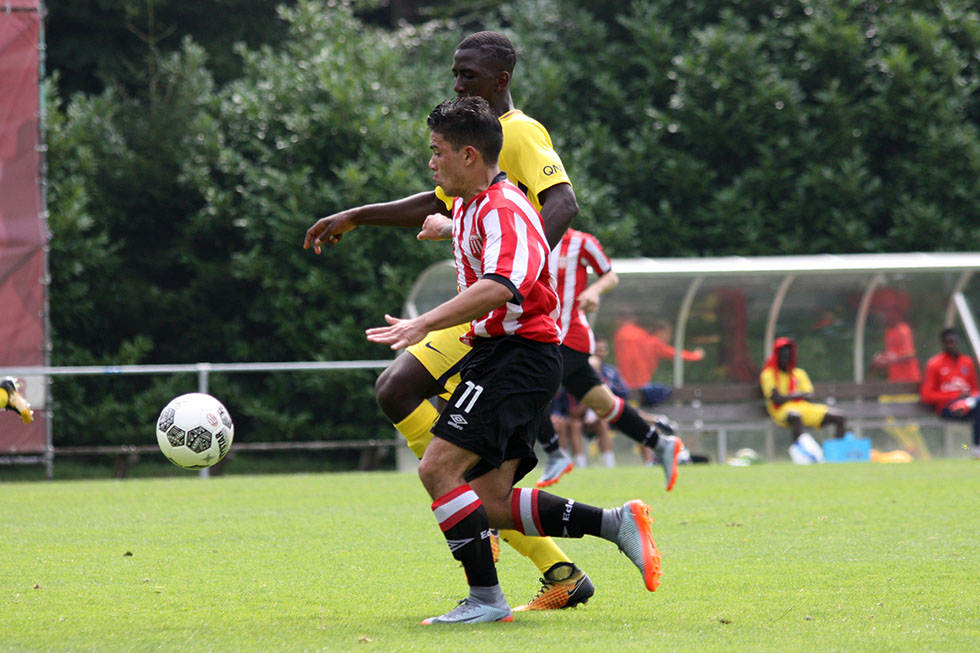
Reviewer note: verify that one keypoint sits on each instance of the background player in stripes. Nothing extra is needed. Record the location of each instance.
(571, 260)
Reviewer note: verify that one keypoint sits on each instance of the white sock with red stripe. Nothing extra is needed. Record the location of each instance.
(465, 524)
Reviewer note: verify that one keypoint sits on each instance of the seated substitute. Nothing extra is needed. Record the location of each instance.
(788, 392)
(950, 385)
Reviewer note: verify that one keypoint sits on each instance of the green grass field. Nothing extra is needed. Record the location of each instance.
(774, 557)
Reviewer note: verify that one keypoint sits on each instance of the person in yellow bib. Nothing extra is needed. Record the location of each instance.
(483, 64)
(789, 393)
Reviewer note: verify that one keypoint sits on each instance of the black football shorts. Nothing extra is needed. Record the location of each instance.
(578, 376)
(505, 387)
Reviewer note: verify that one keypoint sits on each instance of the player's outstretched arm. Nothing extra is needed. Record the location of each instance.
(558, 208)
(479, 299)
(409, 211)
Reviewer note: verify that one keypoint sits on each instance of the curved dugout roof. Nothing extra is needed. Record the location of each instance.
(836, 307)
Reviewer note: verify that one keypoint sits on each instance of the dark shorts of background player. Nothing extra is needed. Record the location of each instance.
(579, 376)
(561, 405)
(505, 387)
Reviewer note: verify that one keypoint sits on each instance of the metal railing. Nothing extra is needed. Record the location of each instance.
(203, 371)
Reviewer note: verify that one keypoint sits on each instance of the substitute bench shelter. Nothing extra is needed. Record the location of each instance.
(834, 306)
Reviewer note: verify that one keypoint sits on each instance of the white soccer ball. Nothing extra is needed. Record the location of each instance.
(195, 431)
(745, 457)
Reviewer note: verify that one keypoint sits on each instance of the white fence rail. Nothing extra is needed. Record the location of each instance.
(39, 375)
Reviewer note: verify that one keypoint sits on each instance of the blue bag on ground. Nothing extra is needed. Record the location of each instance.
(848, 449)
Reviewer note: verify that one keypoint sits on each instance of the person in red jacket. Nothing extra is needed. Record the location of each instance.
(639, 352)
(898, 360)
(950, 385)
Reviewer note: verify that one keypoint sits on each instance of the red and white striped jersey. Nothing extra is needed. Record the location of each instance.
(570, 263)
(498, 234)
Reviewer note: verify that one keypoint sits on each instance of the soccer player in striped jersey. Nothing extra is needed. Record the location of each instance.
(482, 67)
(484, 441)
(571, 260)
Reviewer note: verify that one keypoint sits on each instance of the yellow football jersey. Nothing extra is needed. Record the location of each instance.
(528, 157)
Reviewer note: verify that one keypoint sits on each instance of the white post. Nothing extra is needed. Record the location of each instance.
(203, 370)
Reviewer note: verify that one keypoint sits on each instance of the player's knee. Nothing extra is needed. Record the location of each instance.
(402, 387)
(383, 387)
(393, 399)
(428, 474)
(833, 417)
(599, 399)
(438, 476)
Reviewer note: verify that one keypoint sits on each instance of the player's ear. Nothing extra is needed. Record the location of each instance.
(503, 81)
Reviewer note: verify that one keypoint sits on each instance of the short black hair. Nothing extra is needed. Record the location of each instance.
(469, 121)
(948, 331)
(494, 47)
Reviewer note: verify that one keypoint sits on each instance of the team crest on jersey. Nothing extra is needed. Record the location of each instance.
(476, 243)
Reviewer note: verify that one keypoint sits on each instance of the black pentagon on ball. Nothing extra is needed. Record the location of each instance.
(166, 419)
(175, 436)
(198, 439)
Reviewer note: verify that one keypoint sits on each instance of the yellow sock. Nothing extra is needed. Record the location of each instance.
(417, 427)
(3, 398)
(542, 551)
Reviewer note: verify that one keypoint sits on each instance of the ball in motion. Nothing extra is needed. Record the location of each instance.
(195, 431)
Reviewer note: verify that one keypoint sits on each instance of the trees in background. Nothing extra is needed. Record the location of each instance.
(180, 195)
(178, 218)
(712, 128)
(104, 43)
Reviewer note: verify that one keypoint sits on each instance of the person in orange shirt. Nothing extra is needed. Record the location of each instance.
(639, 352)
(898, 359)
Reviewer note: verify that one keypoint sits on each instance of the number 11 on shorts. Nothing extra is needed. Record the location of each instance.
(473, 388)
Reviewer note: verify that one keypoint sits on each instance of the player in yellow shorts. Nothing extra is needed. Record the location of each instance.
(809, 414)
(482, 66)
(441, 353)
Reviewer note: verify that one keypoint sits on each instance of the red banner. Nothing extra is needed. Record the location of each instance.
(21, 228)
